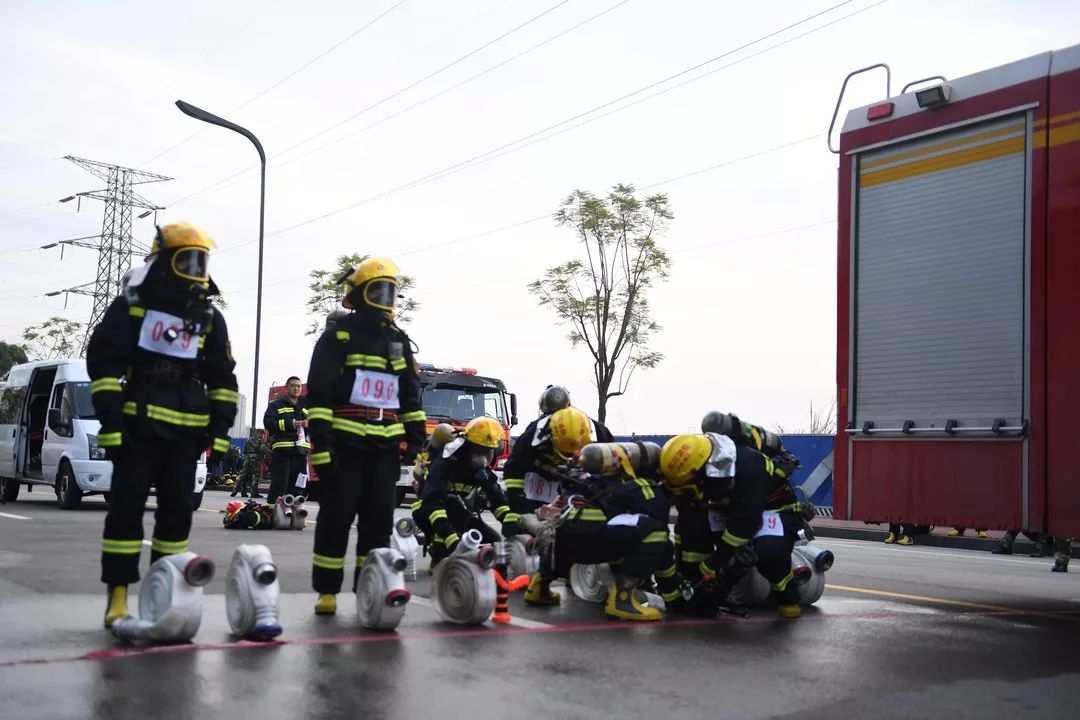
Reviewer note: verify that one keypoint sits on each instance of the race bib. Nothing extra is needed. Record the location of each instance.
(152, 336)
(540, 489)
(771, 525)
(375, 389)
(717, 522)
(301, 480)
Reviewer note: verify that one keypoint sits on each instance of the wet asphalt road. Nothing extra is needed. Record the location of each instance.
(901, 632)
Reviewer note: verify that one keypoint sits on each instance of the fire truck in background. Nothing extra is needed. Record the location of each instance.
(456, 396)
(958, 314)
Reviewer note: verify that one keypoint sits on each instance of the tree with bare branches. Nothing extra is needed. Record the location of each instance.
(604, 298)
(54, 338)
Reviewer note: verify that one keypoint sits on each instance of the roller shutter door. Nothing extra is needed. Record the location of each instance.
(940, 279)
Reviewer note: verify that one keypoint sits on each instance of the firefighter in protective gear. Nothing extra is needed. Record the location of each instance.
(285, 421)
(459, 486)
(750, 512)
(163, 387)
(363, 403)
(528, 476)
(553, 399)
(620, 518)
(694, 541)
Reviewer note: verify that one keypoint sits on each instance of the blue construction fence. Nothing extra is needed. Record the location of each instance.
(815, 452)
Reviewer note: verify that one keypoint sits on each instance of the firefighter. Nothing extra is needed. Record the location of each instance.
(459, 485)
(363, 402)
(618, 518)
(163, 387)
(528, 471)
(751, 507)
(695, 540)
(285, 421)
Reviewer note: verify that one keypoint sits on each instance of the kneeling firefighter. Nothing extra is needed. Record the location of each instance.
(695, 540)
(529, 472)
(459, 486)
(612, 513)
(750, 506)
(363, 401)
(163, 388)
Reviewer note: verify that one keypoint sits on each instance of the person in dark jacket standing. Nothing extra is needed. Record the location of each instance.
(363, 402)
(286, 422)
(163, 387)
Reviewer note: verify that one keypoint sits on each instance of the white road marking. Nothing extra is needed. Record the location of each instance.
(906, 549)
(516, 621)
(15, 517)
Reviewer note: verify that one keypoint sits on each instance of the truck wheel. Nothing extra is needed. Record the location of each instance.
(68, 494)
(196, 501)
(401, 491)
(9, 489)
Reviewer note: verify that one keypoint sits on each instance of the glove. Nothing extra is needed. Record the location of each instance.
(510, 529)
(114, 441)
(785, 464)
(408, 455)
(218, 449)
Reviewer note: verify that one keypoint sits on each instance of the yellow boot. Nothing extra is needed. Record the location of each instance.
(625, 605)
(891, 539)
(326, 604)
(905, 540)
(790, 611)
(117, 607)
(538, 593)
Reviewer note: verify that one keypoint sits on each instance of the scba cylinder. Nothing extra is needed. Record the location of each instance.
(612, 458)
(730, 425)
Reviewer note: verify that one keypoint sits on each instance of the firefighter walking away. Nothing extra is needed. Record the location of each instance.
(163, 387)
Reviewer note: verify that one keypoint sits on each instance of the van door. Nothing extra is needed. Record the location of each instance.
(12, 399)
(34, 422)
(59, 431)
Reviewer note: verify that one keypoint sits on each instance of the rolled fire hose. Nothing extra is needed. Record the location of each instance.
(381, 595)
(170, 600)
(290, 513)
(403, 539)
(819, 561)
(524, 560)
(251, 593)
(591, 582)
(462, 585)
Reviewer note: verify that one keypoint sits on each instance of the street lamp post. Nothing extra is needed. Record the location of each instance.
(200, 114)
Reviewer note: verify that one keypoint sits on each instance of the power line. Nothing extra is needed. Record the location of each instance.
(484, 157)
(374, 105)
(440, 93)
(288, 77)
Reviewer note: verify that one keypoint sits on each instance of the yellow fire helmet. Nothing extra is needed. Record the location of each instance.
(571, 430)
(484, 431)
(682, 457)
(189, 247)
(378, 277)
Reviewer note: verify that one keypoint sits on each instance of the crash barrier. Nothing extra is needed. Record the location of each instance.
(814, 475)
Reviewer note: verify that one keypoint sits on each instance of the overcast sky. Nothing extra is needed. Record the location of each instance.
(748, 314)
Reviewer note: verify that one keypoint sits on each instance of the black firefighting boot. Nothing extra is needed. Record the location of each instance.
(1062, 554)
(626, 602)
(1005, 547)
(117, 605)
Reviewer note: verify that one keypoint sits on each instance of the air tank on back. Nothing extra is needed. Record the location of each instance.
(611, 458)
(731, 426)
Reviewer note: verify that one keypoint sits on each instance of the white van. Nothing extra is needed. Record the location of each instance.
(48, 434)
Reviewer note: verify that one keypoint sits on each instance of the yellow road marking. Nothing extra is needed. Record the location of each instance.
(953, 603)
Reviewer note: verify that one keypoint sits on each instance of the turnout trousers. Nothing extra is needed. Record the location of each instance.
(168, 466)
(361, 487)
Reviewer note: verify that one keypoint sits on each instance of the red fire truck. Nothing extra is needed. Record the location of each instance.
(958, 318)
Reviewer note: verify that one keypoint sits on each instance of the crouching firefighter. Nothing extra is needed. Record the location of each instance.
(695, 539)
(613, 512)
(751, 512)
(459, 486)
(529, 471)
(163, 388)
(363, 401)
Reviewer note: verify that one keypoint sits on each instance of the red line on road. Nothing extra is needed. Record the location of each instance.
(488, 632)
